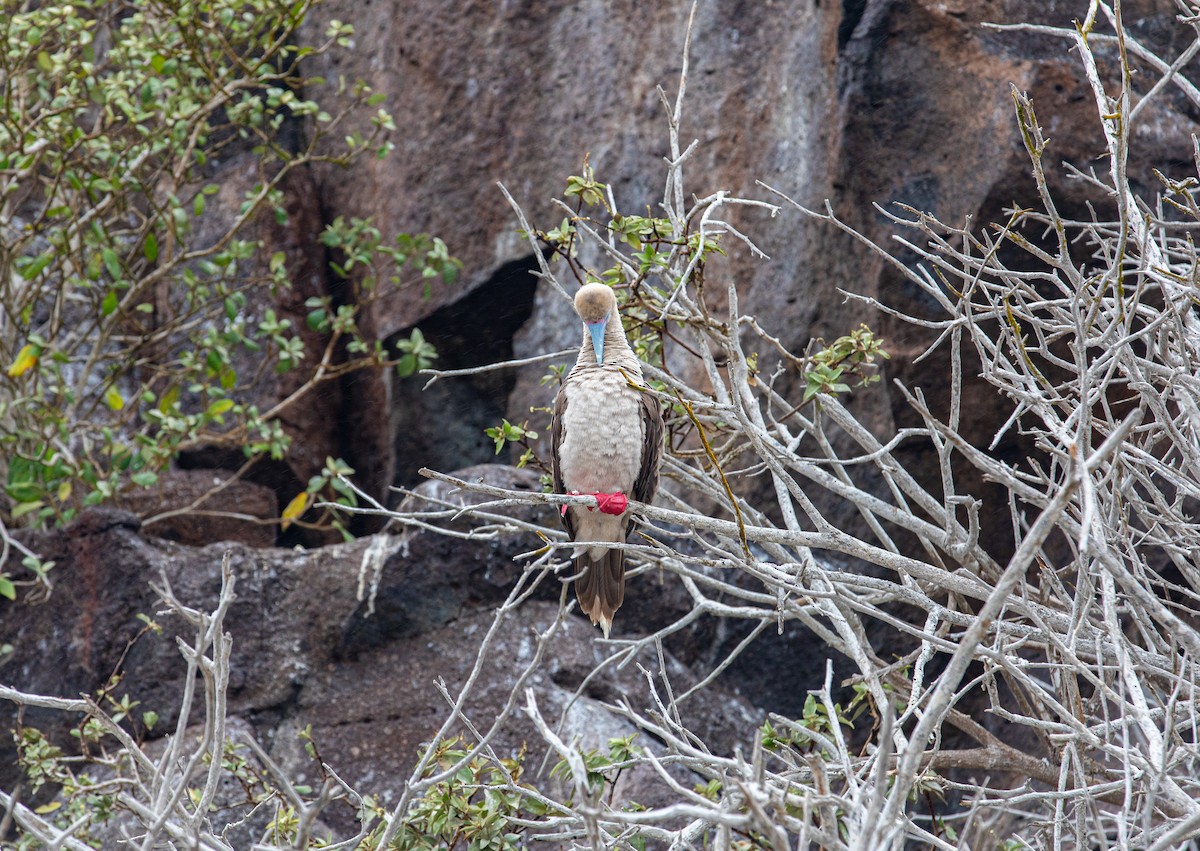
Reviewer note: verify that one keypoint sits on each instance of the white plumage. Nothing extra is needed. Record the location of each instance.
(606, 439)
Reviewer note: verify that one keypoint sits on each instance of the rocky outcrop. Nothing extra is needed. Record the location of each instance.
(308, 651)
(863, 102)
(856, 102)
(197, 507)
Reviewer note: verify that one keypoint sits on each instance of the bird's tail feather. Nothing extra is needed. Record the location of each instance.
(600, 586)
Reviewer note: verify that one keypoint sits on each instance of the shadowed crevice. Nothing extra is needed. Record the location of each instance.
(443, 427)
(852, 12)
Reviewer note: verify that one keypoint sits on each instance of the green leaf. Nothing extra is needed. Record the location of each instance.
(112, 263)
(150, 249)
(24, 490)
(113, 398)
(23, 508)
(44, 61)
(169, 399)
(145, 479)
(219, 407)
(318, 320)
(34, 267)
(109, 305)
(7, 589)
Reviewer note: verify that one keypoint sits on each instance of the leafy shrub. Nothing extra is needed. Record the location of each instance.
(132, 325)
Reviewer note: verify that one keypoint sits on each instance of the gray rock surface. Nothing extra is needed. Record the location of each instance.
(856, 102)
(865, 102)
(307, 652)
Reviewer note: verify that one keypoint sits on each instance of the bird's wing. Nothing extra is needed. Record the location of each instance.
(556, 439)
(646, 482)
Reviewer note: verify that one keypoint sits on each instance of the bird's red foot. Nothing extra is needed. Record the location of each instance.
(608, 503)
(612, 503)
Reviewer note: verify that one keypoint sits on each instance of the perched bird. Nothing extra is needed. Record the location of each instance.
(606, 441)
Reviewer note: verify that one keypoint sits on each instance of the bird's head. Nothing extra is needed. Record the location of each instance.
(595, 304)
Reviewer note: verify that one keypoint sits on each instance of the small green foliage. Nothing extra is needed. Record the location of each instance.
(850, 356)
(41, 761)
(928, 783)
(82, 804)
(284, 826)
(562, 237)
(644, 332)
(862, 696)
(369, 263)
(476, 808)
(710, 790)
(90, 732)
(815, 715)
(79, 803)
(330, 485)
(119, 709)
(772, 739)
(507, 432)
(650, 241)
(555, 375)
(416, 353)
(634, 231)
(623, 750)
(586, 188)
(143, 326)
(35, 576)
(603, 768)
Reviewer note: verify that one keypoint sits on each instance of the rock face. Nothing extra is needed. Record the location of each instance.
(546, 85)
(859, 102)
(862, 102)
(308, 652)
(179, 509)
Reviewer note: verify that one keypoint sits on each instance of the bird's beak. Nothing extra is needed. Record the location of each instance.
(596, 329)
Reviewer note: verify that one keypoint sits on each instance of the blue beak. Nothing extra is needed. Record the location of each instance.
(596, 329)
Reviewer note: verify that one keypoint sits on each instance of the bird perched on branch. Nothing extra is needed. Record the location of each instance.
(607, 442)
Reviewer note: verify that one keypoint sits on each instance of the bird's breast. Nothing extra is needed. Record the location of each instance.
(603, 437)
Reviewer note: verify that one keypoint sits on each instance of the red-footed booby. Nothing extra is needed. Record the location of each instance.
(606, 441)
